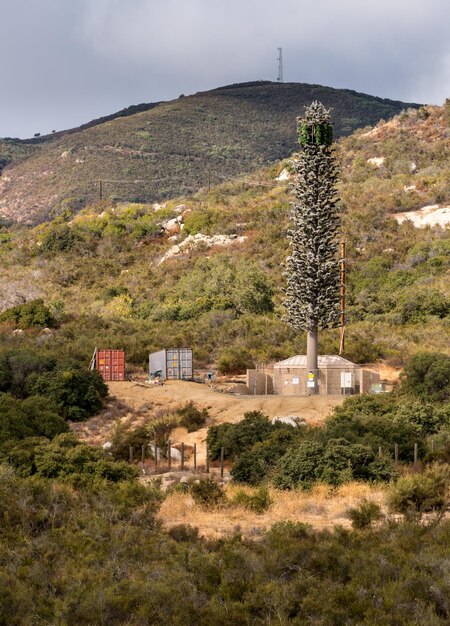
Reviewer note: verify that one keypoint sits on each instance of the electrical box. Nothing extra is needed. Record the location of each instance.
(347, 380)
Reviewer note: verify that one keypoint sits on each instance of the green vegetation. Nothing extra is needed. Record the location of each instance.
(28, 315)
(96, 555)
(207, 493)
(365, 514)
(415, 494)
(191, 417)
(74, 392)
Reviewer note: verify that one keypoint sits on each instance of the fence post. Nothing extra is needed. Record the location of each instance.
(396, 452)
(169, 456)
(379, 451)
(182, 456)
(195, 457)
(156, 456)
(207, 459)
(221, 462)
(432, 446)
(416, 453)
(131, 454)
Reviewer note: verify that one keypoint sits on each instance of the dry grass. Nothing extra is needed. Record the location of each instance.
(322, 507)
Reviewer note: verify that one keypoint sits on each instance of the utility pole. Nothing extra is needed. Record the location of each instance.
(280, 65)
(342, 325)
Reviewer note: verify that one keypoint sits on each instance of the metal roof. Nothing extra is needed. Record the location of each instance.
(324, 361)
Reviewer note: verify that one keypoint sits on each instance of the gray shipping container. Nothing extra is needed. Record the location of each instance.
(173, 363)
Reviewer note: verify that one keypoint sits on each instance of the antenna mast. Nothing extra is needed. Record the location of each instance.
(280, 65)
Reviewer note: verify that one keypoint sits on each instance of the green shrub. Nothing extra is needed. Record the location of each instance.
(58, 238)
(250, 467)
(234, 360)
(415, 494)
(34, 417)
(207, 493)
(31, 314)
(191, 417)
(335, 461)
(160, 429)
(240, 437)
(67, 458)
(125, 436)
(258, 501)
(365, 514)
(16, 368)
(183, 533)
(299, 467)
(427, 376)
(76, 392)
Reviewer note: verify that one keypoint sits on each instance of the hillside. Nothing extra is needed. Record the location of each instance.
(127, 276)
(174, 148)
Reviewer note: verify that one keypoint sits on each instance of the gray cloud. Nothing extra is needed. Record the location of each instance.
(65, 63)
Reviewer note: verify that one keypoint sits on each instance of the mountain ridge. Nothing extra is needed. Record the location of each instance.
(171, 147)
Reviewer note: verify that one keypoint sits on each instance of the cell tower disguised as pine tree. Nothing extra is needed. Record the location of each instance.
(312, 270)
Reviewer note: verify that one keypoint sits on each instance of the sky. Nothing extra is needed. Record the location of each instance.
(66, 62)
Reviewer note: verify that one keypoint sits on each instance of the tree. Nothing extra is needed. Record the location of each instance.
(312, 270)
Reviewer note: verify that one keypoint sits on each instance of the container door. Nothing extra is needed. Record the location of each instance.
(173, 364)
(185, 361)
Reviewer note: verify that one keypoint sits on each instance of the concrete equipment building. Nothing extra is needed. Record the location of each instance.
(335, 376)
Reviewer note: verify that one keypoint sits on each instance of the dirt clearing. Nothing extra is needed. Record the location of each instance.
(136, 402)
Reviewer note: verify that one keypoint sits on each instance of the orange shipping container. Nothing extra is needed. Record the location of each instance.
(110, 364)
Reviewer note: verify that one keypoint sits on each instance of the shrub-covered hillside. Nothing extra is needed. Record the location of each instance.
(122, 275)
(174, 148)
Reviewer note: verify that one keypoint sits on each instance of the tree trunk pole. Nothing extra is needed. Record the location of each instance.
(312, 359)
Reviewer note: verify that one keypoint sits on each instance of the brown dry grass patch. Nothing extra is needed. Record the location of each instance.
(322, 507)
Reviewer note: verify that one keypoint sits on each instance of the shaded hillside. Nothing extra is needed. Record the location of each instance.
(177, 147)
(14, 151)
(113, 277)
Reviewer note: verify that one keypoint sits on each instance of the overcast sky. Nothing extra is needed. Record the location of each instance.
(65, 62)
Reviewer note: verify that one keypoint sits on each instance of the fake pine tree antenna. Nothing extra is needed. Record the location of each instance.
(312, 269)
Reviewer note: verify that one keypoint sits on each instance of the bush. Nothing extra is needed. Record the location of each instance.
(183, 533)
(17, 366)
(34, 417)
(160, 429)
(250, 468)
(240, 437)
(258, 501)
(335, 462)
(234, 360)
(58, 238)
(207, 493)
(77, 393)
(363, 515)
(415, 494)
(69, 459)
(191, 417)
(31, 314)
(299, 467)
(427, 376)
(124, 435)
